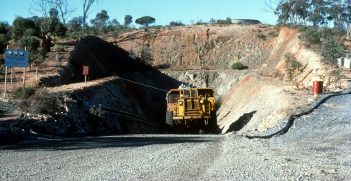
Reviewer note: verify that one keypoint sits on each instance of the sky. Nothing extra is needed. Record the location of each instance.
(164, 11)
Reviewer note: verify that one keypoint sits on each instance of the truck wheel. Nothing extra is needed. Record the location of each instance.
(169, 118)
(213, 127)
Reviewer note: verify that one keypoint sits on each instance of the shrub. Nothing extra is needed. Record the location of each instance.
(59, 48)
(261, 36)
(42, 103)
(273, 33)
(31, 42)
(336, 77)
(313, 35)
(3, 42)
(146, 54)
(176, 23)
(293, 67)
(238, 66)
(331, 51)
(23, 93)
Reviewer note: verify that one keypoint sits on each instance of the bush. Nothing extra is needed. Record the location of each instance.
(293, 67)
(331, 51)
(273, 33)
(23, 93)
(3, 42)
(31, 42)
(176, 23)
(313, 35)
(238, 66)
(261, 36)
(146, 54)
(336, 77)
(59, 48)
(42, 103)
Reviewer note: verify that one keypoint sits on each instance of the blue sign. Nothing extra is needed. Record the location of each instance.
(16, 58)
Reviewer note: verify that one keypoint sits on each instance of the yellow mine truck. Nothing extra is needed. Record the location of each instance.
(191, 108)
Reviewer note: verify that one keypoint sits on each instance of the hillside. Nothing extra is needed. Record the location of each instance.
(255, 99)
(202, 56)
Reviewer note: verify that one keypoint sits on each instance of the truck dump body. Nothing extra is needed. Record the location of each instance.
(190, 107)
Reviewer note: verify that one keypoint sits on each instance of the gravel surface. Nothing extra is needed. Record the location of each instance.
(317, 147)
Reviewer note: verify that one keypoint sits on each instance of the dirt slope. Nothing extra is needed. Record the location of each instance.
(204, 54)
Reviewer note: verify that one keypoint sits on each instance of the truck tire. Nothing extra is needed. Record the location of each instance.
(169, 118)
(213, 127)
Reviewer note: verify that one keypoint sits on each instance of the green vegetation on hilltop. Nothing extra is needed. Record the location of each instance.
(322, 23)
(315, 12)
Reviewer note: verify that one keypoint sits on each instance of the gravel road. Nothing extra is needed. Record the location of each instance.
(317, 147)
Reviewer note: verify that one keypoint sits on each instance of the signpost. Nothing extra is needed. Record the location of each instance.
(85, 72)
(15, 58)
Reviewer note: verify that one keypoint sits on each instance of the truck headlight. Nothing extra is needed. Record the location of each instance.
(180, 102)
(201, 101)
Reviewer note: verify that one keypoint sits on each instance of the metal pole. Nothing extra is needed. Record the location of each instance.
(11, 75)
(85, 78)
(24, 78)
(36, 74)
(5, 82)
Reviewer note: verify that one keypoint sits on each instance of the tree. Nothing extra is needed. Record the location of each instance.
(176, 23)
(53, 13)
(347, 15)
(3, 42)
(64, 10)
(283, 11)
(86, 7)
(50, 27)
(228, 20)
(100, 21)
(318, 12)
(43, 8)
(301, 10)
(4, 38)
(212, 21)
(4, 27)
(200, 22)
(336, 13)
(145, 20)
(128, 19)
(332, 50)
(32, 43)
(75, 24)
(113, 25)
(20, 25)
(221, 21)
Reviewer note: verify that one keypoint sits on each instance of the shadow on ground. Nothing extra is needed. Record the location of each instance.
(104, 142)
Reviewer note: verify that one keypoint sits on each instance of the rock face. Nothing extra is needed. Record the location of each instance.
(202, 46)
